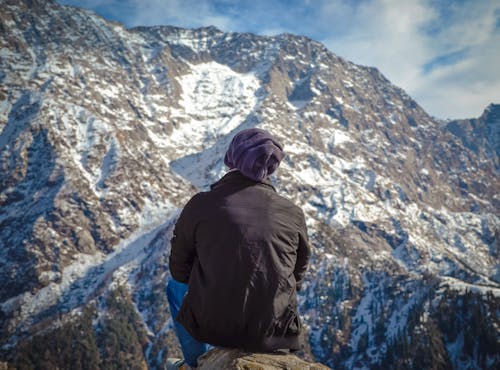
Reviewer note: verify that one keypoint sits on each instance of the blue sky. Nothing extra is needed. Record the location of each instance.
(444, 53)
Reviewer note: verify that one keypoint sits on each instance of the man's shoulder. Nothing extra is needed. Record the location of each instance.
(289, 205)
(196, 200)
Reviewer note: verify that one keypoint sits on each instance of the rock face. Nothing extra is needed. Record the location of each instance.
(106, 132)
(224, 359)
(480, 135)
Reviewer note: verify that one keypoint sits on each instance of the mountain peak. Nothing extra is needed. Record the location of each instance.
(492, 109)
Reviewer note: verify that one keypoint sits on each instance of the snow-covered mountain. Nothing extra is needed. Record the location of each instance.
(106, 132)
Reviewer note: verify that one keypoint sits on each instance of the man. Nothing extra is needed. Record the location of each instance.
(240, 251)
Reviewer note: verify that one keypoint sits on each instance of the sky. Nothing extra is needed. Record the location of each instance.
(444, 53)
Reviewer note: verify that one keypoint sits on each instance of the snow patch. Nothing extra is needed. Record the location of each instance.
(216, 100)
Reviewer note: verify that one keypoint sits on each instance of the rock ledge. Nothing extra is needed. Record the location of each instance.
(234, 359)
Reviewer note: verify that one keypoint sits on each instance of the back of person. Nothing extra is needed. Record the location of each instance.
(243, 251)
(242, 286)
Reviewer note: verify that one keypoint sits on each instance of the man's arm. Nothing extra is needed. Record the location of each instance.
(303, 254)
(183, 251)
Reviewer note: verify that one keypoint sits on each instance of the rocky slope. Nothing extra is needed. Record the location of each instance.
(106, 132)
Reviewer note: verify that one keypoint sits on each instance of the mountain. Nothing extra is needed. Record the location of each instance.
(106, 132)
(480, 135)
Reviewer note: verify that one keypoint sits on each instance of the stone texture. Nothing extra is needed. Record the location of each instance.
(222, 359)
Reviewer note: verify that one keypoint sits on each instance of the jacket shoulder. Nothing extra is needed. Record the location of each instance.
(292, 208)
(288, 202)
(194, 202)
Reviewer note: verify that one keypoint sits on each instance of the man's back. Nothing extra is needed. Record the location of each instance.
(242, 248)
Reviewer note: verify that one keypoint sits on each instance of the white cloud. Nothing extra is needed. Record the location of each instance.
(385, 34)
(465, 88)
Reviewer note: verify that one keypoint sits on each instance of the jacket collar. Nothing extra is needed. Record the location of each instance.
(236, 176)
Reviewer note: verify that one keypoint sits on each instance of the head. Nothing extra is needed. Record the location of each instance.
(255, 152)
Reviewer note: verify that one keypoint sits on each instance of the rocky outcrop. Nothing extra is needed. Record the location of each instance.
(233, 359)
(480, 135)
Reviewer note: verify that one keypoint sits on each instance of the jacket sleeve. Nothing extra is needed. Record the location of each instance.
(183, 250)
(303, 253)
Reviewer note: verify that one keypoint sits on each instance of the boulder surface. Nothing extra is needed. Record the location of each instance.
(222, 359)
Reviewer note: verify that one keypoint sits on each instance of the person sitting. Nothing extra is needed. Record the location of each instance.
(239, 253)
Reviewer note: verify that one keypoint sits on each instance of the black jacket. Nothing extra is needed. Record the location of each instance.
(243, 249)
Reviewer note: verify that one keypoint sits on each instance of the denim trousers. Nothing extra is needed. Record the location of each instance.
(191, 348)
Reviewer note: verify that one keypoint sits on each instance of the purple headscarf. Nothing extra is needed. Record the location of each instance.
(255, 152)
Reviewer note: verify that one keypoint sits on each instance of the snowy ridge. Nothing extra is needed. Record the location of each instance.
(199, 41)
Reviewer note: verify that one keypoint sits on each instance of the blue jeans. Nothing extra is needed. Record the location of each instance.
(191, 348)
